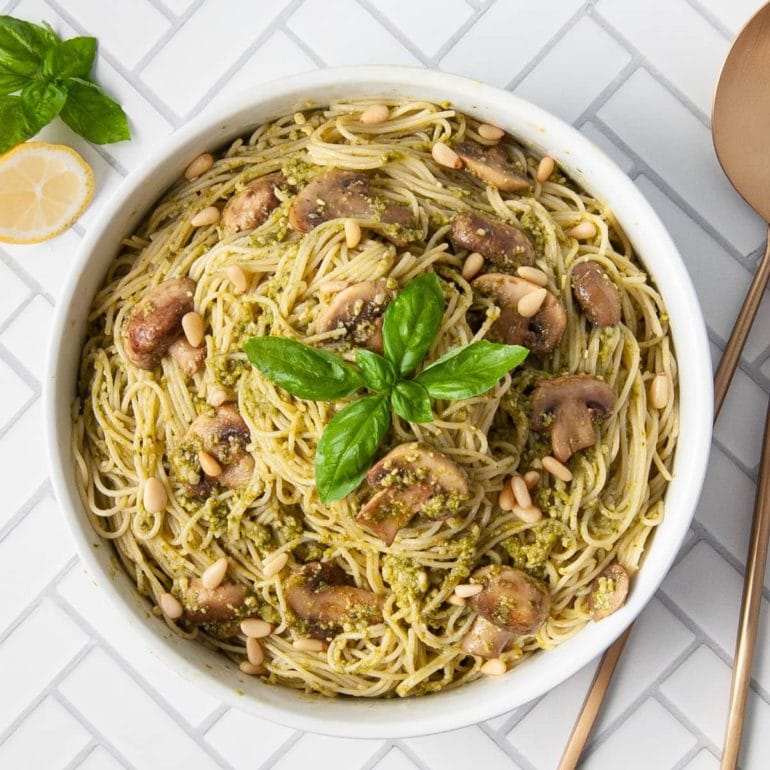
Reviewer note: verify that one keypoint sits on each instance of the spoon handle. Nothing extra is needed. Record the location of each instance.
(734, 347)
(722, 379)
(750, 606)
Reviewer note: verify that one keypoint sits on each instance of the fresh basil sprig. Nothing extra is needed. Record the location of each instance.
(349, 444)
(52, 77)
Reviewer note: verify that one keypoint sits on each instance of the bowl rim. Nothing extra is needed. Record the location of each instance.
(362, 718)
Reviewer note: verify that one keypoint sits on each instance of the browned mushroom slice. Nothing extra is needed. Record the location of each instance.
(485, 639)
(157, 321)
(188, 358)
(335, 194)
(252, 205)
(214, 605)
(317, 594)
(511, 599)
(541, 332)
(392, 508)
(491, 164)
(359, 310)
(501, 243)
(417, 479)
(571, 403)
(608, 591)
(596, 294)
(224, 435)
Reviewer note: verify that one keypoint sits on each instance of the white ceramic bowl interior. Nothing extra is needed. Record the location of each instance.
(588, 166)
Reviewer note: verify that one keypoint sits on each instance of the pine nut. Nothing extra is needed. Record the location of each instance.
(254, 651)
(521, 492)
(300, 119)
(533, 275)
(557, 469)
(659, 391)
(506, 499)
(209, 464)
(456, 600)
(250, 669)
(545, 168)
(170, 606)
(493, 133)
(154, 497)
(208, 216)
(583, 231)
(308, 645)
(193, 327)
(532, 479)
(256, 628)
(237, 278)
(352, 233)
(218, 397)
(466, 590)
(529, 514)
(214, 574)
(444, 155)
(472, 265)
(199, 166)
(374, 113)
(531, 302)
(274, 564)
(494, 667)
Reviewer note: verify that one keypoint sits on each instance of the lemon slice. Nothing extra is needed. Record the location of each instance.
(44, 188)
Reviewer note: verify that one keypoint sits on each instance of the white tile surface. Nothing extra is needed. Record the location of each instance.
(561, 53)
(50, 737)
(678, 147)
(361, 40)
(676, 40)
(163, 743)
(578, 86)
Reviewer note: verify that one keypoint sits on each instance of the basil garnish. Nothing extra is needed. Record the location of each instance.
(53, 78)
(349, 444)
(305, 372)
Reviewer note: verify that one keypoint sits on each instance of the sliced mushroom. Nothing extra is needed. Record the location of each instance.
(417, 479)
(215, 605)
(224, 435)
(541, 332)
(485, 639)
(608, 591)
(511, 599)
(188, 358)
(335, 194)
(596, 293)
(157, 321)
(317, 593)
(491, 164)
(359, 310)
(252, 205)
(572, 403)
(501, 243)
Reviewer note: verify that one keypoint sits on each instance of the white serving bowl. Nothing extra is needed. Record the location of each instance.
(586, 164)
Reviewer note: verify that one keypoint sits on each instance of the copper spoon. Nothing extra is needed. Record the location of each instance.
(740, 120)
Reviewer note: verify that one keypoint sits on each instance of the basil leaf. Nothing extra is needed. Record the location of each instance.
(14, 128)
(412, 321)
(349, 445)
(303, 371)
(23, 45)
(71, 58)
(41, 102)
(410, 401)
(10, 80)
(471, 370)
(91, 113)
(378, 372)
